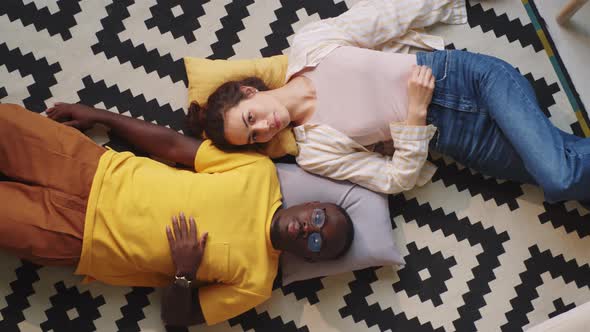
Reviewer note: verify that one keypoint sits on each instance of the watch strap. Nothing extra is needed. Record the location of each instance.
(182, 281)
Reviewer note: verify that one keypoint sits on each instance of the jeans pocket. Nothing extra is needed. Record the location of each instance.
(215, 266)
(454, 102)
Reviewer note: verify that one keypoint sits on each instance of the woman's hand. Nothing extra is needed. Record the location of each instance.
(420, 88)
(384, 148)
(79, 116)
(187, 251)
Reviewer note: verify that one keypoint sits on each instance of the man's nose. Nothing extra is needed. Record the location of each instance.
(307, 229)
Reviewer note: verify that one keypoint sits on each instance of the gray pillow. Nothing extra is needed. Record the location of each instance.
(373, 239)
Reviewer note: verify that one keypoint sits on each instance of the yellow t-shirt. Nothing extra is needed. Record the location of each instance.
(233, 197)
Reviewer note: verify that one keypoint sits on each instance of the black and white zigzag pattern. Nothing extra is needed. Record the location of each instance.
(482, 254)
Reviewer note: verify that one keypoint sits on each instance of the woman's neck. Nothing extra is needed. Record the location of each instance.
(299, 97)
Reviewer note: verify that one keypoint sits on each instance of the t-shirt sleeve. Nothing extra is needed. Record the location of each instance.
(221, 302)
(209, 159)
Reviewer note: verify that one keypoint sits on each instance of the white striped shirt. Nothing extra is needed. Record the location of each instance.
(386, 25)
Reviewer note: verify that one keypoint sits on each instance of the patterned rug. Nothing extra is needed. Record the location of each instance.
(481, 254)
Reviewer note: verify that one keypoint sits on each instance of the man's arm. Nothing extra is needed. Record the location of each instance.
(180, 302)
(181, 306)
(156, 140)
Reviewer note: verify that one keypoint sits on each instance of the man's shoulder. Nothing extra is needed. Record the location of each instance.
(263, 166)
(260, 275)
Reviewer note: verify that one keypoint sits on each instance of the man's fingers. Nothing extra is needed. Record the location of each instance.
(203, 240)
(73, 123)
(52, 113)
(176, 227)
(193, 228)
(170, 236)
(58, 115)
(183, 226)
(169, 233)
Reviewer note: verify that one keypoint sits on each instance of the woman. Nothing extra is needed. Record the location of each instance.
(341, 96)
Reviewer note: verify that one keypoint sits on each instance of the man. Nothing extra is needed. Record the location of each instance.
(72, 202)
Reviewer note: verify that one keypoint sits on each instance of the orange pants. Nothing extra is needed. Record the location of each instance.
(50, 169)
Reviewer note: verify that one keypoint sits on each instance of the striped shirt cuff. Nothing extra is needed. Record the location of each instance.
(426, 173)
(459, 15)
(401, 131)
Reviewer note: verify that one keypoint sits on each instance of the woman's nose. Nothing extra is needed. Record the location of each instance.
(261, 125)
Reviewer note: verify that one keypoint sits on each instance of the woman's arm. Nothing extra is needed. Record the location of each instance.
(333, 155)
(336, 158)
(156, 140)
(420, 90)
(372, 24)
(375, 24)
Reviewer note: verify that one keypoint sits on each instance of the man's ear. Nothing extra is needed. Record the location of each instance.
(248, 91)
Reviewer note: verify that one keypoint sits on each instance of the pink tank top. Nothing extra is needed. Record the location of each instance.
(360, 91)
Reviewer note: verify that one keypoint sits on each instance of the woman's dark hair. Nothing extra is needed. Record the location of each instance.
(210, 119)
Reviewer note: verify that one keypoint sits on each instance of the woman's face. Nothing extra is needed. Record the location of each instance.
(256, 119)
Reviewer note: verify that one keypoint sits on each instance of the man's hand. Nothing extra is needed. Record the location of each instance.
(187, 251)
(420, 89)
(78, 116)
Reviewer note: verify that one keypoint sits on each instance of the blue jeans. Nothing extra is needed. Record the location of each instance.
(488, 118)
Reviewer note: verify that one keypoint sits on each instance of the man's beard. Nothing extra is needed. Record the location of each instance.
(275, 233)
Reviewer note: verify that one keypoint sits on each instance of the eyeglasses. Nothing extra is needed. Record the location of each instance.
(314, 240)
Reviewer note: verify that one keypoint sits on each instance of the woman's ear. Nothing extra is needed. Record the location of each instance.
(248, 91)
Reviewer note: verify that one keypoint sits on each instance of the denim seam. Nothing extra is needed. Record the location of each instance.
(446, 66)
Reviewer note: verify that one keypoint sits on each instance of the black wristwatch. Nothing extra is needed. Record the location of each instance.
(182, 281)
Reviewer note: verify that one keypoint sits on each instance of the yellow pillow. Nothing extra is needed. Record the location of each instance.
(205, 76)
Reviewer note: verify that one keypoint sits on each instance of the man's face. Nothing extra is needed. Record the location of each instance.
(315, 231)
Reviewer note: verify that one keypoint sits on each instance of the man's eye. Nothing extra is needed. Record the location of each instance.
(250, 117)
(254, 137)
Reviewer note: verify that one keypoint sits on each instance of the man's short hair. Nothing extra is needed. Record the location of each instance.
(349, 232)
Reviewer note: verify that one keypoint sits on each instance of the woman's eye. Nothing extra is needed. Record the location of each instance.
(250, 117)
(254, 137)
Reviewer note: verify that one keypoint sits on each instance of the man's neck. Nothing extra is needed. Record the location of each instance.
(274, 231)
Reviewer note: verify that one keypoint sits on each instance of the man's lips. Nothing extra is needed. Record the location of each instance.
(277, 120)
(294, 229)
